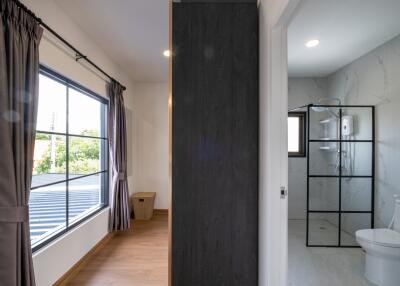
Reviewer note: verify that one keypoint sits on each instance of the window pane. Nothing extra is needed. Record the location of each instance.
(47, 211)
(49, 163)
(52, 105)
(293, 134)
(84, 196)
(84, 156)
(84, 114)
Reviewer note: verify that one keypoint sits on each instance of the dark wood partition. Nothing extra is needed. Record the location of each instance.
(215, 144)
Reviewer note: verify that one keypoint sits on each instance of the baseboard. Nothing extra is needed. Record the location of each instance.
(160, 211)
(74, 270)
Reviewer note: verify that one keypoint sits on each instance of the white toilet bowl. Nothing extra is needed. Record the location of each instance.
(382, 261)
(382, 247)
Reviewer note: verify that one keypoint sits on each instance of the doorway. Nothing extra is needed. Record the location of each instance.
(342, 67)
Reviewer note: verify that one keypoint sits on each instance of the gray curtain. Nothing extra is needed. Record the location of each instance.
(19, 75)
(120, 213)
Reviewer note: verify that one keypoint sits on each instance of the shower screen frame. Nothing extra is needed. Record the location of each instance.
(339, 176)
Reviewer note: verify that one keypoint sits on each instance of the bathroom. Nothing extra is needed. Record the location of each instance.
(344, 151)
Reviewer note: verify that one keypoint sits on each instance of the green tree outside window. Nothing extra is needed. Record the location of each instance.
(83, 154)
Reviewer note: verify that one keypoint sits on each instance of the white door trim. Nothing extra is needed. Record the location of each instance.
(273, 210)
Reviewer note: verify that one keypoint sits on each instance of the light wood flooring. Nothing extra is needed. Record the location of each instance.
(137, 257)
(140, 257)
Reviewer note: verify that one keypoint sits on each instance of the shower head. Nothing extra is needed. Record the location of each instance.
(319, 109)
(325, 101)
(324, 109)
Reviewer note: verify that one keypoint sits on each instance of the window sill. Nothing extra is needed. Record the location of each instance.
(40, 247)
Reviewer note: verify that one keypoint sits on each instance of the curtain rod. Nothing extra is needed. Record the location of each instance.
(79, 55)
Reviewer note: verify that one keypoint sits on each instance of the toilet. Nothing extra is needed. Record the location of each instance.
(382, 247)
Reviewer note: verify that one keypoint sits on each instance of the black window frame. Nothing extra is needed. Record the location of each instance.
(104, 192)
(302, 115)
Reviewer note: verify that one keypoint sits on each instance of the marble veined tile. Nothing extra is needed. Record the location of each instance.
(322, 266)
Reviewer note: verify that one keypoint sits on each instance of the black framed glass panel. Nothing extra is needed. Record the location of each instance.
(356, 158)
(324, 194)
(340, 173)
(356, 123)
(324, 158)
(350, 223)
(356, 194)
(324, 123)
(323, 229)
(70, 172)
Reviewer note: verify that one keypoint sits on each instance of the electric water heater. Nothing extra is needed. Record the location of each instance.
(347, 125)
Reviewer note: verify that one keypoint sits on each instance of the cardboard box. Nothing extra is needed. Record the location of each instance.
(143, 205)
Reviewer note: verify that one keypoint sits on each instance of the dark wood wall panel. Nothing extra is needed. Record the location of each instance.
(215, 144)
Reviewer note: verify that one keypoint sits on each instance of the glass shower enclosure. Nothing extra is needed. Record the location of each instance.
(340, 173)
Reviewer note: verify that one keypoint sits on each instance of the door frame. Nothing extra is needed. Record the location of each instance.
(275, 17)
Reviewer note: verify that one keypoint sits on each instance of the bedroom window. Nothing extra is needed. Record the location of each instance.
(70, 171)
(296, 134)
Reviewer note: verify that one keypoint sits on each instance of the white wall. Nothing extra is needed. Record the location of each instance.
(150, 137)
(301, 91)
(373, 79)
(54, 260)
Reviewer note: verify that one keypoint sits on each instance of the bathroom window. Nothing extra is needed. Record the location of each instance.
(70, 171)
(297, 134)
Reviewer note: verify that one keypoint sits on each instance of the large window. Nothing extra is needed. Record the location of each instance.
(70, 172)
(296, 134)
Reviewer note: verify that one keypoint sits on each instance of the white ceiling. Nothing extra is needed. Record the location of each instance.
(134, 33)
(347, 29)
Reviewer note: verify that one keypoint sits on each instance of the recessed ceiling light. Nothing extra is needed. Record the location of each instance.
(167, 53)
(312, 43)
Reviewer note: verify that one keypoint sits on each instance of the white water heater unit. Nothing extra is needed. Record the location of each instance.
(347, 125)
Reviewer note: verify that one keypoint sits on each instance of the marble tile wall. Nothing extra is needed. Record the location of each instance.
(303, 91)
(373, 79)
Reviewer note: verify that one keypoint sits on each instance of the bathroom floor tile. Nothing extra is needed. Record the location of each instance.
(322, 266)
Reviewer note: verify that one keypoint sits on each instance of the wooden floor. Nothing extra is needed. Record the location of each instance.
(138, 257)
